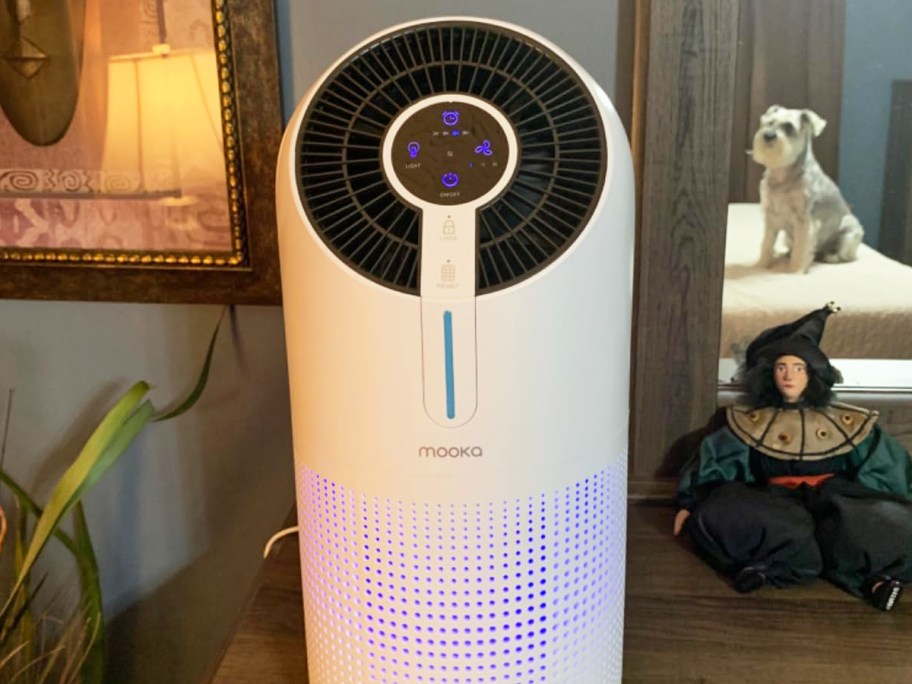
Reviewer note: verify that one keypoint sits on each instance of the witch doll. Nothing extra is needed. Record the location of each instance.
(797, 486)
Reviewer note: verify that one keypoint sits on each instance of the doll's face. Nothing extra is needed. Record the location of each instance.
(790, 375)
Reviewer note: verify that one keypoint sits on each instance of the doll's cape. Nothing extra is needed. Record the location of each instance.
(809, 433)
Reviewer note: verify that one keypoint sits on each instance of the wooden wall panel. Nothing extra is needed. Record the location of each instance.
(896, 213)
(622, 98)
(680, 239)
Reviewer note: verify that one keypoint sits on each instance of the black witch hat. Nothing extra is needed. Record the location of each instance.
(799, 338)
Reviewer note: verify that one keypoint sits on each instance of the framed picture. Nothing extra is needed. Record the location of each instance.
(138, 141)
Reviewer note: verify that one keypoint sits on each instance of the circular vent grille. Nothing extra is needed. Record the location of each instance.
(554, 190)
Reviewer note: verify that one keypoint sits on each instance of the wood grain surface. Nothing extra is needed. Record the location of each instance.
(683, 624)
(268, 645)
(680, 240)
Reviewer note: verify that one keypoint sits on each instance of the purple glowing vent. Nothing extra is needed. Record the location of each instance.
(524, 591)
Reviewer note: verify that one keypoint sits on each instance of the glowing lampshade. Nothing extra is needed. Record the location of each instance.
(163, 135)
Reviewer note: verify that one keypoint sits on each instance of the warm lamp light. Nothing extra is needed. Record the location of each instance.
(163, 136)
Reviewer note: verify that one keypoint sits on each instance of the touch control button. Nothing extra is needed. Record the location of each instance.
(450, 179)
(484, 148)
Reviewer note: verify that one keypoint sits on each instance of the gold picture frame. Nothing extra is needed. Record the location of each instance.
(235, 261)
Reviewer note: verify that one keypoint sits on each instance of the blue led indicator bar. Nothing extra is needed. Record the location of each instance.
(448, 364)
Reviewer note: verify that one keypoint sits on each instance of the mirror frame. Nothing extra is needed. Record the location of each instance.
(687, 81)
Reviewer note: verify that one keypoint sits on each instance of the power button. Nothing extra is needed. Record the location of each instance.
(450, 179)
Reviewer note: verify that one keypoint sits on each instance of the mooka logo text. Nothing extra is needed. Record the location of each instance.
(450, 452)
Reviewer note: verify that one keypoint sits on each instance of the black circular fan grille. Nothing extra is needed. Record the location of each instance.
(554, 190)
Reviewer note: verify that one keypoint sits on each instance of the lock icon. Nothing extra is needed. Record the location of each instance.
(449, 227)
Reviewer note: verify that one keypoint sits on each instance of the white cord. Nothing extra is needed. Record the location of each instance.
(278, 535)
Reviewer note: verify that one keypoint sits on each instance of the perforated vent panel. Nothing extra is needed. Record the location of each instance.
(561, 162)
(526, 591)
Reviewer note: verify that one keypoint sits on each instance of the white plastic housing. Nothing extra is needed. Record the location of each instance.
(489, 552)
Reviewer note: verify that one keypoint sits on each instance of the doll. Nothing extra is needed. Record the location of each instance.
(796, 486)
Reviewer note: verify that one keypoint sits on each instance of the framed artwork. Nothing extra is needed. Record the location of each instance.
(138, 141)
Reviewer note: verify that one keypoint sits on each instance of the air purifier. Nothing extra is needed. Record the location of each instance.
(455, 213)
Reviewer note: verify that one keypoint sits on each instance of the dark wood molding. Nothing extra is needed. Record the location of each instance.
(624, 62)
(896, 214)
(681, 237)
(638, 104)
(654, 490)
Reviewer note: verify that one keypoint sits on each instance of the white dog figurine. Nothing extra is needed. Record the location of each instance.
(797, 197)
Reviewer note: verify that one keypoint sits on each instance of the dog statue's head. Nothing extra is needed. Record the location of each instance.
(784, 135)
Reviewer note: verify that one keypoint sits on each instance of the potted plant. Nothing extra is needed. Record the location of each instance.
(43, 641)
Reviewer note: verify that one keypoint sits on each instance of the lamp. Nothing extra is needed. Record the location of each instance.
(163, 136)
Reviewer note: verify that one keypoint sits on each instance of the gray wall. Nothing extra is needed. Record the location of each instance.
(313, 33)
(180, 522)
(876, 53)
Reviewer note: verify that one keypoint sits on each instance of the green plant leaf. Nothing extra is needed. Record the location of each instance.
(27, 624)
(201, 381)
(117, 430)
(28, 505)
(50, 660)
(84, 554)
(92, 670)
(10, 657)
(113, 435)
(21, 612)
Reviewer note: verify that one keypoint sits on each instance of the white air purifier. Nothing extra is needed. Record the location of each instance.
(455, 211)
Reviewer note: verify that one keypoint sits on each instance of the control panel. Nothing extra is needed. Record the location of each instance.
(449, 153)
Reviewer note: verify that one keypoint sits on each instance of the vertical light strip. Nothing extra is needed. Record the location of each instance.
(448, 363)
